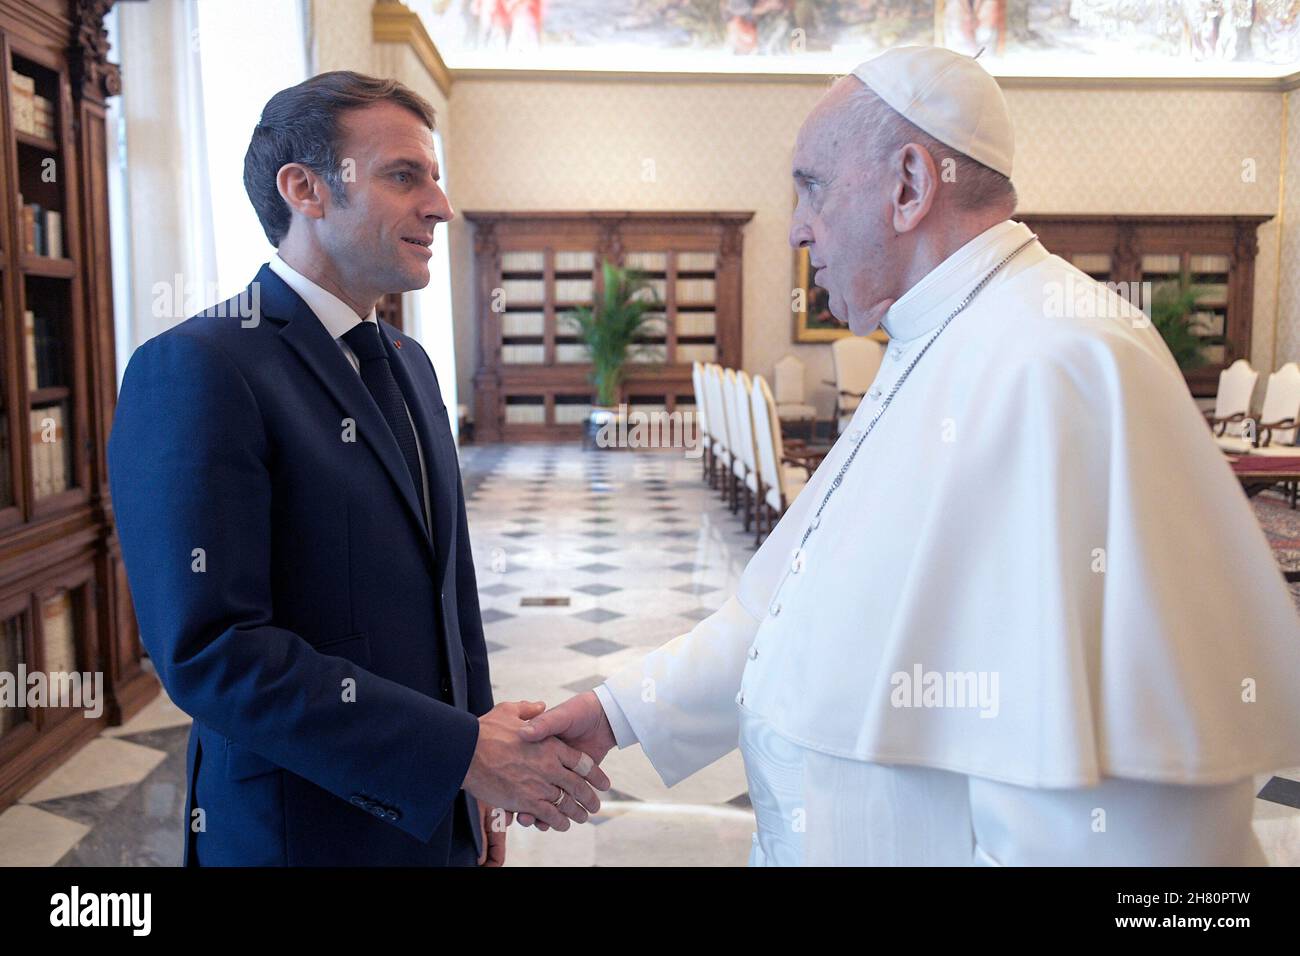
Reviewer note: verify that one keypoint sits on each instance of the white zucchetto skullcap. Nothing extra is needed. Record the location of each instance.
(948, 95)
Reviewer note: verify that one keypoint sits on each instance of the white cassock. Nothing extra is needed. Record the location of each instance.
(1041, 519)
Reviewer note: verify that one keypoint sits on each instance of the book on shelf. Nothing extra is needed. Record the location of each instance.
(569, 261)
(33, 114)
(646, 261)
(523, 261)
(523, 290)
(53, 234)
(49, 461)
(696, 261)
(29, 336)
(28, 220)
(42, 230)
(523, 354)
(696, 323)
(24, 100)
(43, 118)
(58, 635)
(695, 291)
(573, 290)
(44, 352)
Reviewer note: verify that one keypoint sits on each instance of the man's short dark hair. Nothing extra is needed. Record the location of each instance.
(301, 125)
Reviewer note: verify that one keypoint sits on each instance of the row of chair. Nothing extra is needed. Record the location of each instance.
(856, 360)
(1275, 431)
(745, 456)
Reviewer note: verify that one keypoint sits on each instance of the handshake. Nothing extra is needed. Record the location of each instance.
(542, 764)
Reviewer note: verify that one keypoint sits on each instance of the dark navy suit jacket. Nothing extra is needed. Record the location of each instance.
(329, 650)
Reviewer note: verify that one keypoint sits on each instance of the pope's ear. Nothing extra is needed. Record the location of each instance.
(302, 190)
(916, 183)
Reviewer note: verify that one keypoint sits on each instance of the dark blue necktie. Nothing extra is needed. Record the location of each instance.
(377, 375)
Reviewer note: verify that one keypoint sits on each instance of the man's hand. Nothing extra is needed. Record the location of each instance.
(494, 824)
(512, 773)
(581, 723)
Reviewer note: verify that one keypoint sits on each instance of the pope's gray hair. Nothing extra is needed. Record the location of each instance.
(976, 186)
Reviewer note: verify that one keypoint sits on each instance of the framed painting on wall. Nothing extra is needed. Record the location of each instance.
(813, 321)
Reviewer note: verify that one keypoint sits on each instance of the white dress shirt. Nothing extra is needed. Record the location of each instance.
(339, 319)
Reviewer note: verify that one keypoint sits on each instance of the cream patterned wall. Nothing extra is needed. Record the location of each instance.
(340, 35)
(1288, 284)
(565, 144)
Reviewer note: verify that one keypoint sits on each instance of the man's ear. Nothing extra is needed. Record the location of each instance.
(304, 191)
(915, 186)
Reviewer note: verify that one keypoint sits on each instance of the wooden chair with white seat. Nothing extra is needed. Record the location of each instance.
(735, 439)
(701, 422)
(791, 405)
(780, 479)
(1232, 403)
(1275, 434)
(1279, 424)
(745, 452)
(718, 429)
(857, 360)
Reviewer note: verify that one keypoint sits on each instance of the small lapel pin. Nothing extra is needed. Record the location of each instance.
(397, 343)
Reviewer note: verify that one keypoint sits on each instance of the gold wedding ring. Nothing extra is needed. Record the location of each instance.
(558, 800)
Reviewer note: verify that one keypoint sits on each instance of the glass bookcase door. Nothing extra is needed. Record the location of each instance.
(62, 618)
(1207, 275)
(15, 639)
(48, 367)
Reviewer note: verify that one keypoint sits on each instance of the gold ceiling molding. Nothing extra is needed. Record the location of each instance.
(391, 21)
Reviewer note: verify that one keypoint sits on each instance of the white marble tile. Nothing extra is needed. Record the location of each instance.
(675, 835)
(1278, 832)
(30, 836)
(104, 762)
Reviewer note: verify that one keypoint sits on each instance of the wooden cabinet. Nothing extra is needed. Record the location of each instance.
(1216, 252)
(532, 379)
(64, 603)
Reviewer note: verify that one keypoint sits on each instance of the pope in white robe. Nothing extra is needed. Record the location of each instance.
(1022, 613)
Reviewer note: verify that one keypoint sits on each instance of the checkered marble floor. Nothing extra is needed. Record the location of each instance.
(585, 561)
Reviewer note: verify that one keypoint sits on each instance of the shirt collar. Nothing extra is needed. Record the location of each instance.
(336, 315)
(930, 301)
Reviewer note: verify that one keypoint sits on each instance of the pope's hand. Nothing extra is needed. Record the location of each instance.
(545, 778)
(581, 723)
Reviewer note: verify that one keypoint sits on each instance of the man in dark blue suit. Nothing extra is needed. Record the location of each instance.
(289, 504)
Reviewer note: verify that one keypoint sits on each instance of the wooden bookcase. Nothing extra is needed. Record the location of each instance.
(1217, 252)
(532, 380)
(64, 603)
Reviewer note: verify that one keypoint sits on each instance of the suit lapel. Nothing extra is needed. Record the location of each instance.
(305, 335)
(427, 410)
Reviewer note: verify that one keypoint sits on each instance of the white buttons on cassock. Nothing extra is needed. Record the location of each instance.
(855, 434)
(874, 393)
(776, 608)
(753, 653)
(740, 698)
(896, 352)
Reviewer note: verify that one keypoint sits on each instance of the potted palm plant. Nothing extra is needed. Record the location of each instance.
(609, 329)
(1172, 305)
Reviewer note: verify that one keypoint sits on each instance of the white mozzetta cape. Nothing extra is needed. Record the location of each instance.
(1042, 505)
